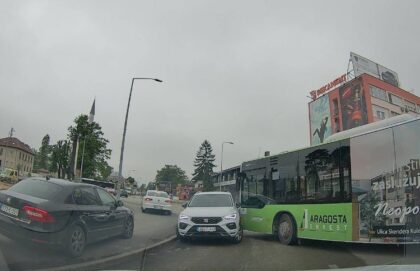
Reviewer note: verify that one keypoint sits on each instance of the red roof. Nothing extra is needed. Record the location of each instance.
(13, 142)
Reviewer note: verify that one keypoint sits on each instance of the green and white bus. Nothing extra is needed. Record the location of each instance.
(360, 186)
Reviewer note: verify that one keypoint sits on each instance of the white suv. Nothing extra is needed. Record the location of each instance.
(210, 214)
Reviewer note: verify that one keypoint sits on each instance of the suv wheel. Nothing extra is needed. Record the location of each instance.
(239, 236)
(181, 238)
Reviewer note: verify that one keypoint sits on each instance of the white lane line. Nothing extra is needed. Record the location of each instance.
(333, 266)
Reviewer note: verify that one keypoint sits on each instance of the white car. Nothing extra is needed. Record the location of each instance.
(210, 214)
(156, 200)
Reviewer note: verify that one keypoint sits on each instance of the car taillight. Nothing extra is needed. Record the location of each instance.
(148, 199)
(38, 215)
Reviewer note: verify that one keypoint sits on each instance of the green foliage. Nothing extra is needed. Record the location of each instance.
(203, 164)
(96, 152)
(42, 156)
(171, 174)
(151, 186)
(131, 180)
(60, 157)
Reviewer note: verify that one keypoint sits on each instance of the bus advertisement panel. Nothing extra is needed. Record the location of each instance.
(363, 188)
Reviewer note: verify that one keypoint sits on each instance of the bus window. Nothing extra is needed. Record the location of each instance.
(407, 151)
(320, 173)
(253, 188)
(285, 188)
(345, 170)
(372, 165)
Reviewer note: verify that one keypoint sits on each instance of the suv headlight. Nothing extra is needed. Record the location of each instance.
(183, 217)
(230, 217)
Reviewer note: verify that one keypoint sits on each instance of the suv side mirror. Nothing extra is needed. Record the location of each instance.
(238, 205)
(185, 204)
(120, 203)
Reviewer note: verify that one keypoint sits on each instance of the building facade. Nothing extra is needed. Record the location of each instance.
(362, 100)
(227, 182)
(15, 154)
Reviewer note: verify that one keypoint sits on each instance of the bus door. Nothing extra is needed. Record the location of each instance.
(253, 200)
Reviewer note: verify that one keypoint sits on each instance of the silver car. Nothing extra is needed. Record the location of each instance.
(210, 214)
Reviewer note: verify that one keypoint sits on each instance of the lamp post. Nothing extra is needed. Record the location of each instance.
(221, 165)
(125, 128)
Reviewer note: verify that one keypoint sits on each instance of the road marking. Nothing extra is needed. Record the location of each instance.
(97, 264)
(333, 266)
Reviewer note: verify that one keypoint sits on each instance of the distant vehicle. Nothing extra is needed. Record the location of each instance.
(124, 193)
(108, 186)
(210, 214)
(9, 175)
(60, 212)
(156, 200)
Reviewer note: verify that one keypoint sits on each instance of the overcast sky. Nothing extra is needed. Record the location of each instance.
(236, 71)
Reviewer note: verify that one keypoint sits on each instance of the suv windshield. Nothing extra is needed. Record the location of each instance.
(211, 200)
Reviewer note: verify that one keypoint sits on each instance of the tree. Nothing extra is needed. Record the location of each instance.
(151, 186)
(96, 153)
(142, 188)
(131, 180)
(60, 157)
(42, 156)
(203, 164)
(171, 174)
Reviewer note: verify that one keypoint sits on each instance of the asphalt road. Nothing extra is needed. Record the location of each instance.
(263, 252)
(149, 228)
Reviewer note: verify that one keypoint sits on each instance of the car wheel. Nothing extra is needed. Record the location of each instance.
(168, 212)
(238, 238)
(143, 210)
(76, 242)
(128, 228)
(287, 230)
(181, 238)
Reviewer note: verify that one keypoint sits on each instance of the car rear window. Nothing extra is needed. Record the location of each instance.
(162, 195)
(37, 188)
(152, 193)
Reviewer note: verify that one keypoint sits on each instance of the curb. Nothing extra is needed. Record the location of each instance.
(97, 264)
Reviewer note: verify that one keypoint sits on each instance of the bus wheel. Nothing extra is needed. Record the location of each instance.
(287, 230)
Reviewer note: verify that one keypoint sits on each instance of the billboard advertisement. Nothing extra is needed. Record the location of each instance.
(320, 119)
(353, 104)
(363, 65)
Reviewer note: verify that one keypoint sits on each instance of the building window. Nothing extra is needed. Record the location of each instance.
(378, 93)
(1, 151)
(410, 106)
(380, 113)
(395, 100)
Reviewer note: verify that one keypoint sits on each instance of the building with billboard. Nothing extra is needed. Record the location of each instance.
(370, 92)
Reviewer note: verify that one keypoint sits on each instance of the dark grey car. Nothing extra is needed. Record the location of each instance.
(60, 212)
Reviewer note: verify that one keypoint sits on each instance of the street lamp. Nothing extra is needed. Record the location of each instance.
(221, 165)
(125, 128)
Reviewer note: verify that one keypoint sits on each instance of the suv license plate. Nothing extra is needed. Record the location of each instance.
(9, 210)
(206, 229)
